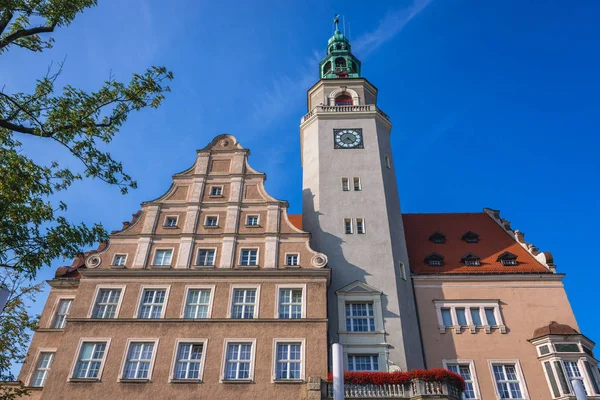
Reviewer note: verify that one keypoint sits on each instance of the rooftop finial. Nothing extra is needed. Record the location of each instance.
(336, 21)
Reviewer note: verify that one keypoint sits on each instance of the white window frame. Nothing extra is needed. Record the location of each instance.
(171, 249)
(34, 368)
(143, 288)
(256, 304)
(55, 311)
(360, 297)
(178, 341)
(359, 354)
(167, 218)
(302, 343)
(211, 216)
(152, 360)
(364, 226)
(402, 268)
(290, 286)
(208, 249)
(471, 365)
(297, 259)
(356, 180)
(467, 305)
(519, 372)
(226, 343)
(198, 287)
(210, 191)
(108, 287)
(249, 265)
(248, 216)
(346, 220)
(355, 317)
(77, 354)
(345, 184)
(112, 264)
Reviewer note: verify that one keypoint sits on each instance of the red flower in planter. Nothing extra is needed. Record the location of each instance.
(395, 378)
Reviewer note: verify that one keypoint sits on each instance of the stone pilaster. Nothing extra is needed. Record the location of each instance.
(185, 250)
(271, 247)
(141, 255)
(227, 252)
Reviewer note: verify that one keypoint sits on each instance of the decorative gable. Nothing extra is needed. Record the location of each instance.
(358, 287)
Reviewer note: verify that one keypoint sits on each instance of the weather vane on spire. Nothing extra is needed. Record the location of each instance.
(336, 21)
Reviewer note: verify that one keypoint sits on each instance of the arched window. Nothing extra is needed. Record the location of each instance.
(343, 100)
(327, 68)
(354, 67)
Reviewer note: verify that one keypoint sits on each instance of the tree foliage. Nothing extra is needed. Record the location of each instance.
(33, 227)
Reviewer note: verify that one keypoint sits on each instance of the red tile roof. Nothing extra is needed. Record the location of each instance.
(493, 241)
(296, 220)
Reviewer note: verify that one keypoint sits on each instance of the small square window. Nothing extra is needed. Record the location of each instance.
(216, 190)
(119, 260)
(357, 185)
(163, 257)
(345, 184)
(292, 259)
(252, 220)
(348, 225)
(360, 225)
(249, 257)
(211, 221)
(171, 222)
(472, 262)
(206, 257)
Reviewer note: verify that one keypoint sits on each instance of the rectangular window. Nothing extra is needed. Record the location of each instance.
(244, 302)
(447, 317)
(119, 260)
(252, 220)
(64, 305)
(348, 225)
(507, 381)
(472, 262)
(138, 362)
(249, 257)
(206, 257)
(360, 317)
(197, 303)
(490, 316)
(211, 221)
(572, 370)
(188, 361)
(290, 303)
(360, 225)
(162, 257)
(152, 303)
(461, 317)
(551, 378)
(107, 302)
(363, 363)
(216, 190)
(238, 362)
(171, 222)
(289, 361)
(292, 259)
(89, 362)
(357, 185)
(464, 370)
(42, 368)
(567, 347)
(388, 164)
(402, 270)
(435, 262)
(345, 184)
(476, 316)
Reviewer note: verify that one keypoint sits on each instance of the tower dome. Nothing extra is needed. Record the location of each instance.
(339, 61)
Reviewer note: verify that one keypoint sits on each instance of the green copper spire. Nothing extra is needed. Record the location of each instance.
(339, 61)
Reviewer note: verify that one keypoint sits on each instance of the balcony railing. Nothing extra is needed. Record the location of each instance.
(413, 389)
(344, 109)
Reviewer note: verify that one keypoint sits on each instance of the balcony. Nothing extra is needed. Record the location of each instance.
(344, 109)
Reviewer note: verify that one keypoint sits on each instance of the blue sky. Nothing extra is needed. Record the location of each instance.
(494, 104)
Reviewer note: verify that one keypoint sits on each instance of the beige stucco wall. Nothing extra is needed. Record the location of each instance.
(526, 303)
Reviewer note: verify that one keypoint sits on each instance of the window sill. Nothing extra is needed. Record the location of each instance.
(117, 266)
(247, 266)
(160, 266)
(211, 226)
(252, 226)
(292, 266)
(288, 381)
(33, 388)
(362, 332)
(180, 381)
(170, 227)
(237, 381)
(215, 195)
(84, 380)
(203, 266)
(134, 380)
(50, 330)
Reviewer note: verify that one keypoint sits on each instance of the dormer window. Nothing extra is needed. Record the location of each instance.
(470, 237)
(471, 260)
(507, 258)
(435, 260)
(437, 237)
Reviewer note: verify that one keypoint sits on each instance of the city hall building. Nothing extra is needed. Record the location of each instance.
(214, 291)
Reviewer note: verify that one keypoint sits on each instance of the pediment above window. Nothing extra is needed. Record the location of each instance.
(358, 287)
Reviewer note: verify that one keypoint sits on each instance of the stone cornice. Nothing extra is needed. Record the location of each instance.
(550, 277)
(64, 283)
(202, 320)
(213, 235)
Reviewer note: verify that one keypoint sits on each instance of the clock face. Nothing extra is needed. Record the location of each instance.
(348, 138)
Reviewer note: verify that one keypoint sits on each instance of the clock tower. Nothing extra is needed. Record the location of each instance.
(352, 209)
